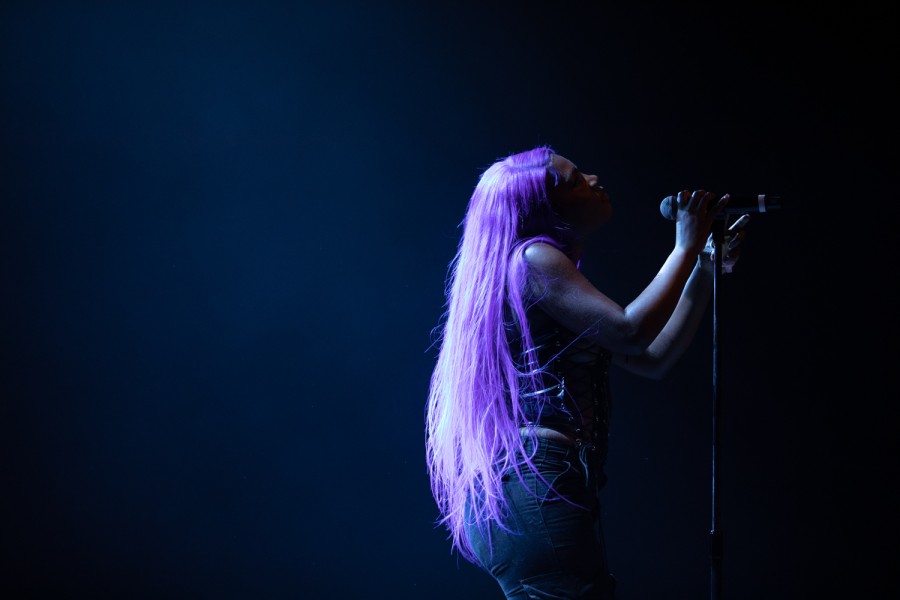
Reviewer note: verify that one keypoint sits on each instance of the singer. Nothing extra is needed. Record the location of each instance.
(518, 412)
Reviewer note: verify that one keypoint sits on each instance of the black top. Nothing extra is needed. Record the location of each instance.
(573, 397)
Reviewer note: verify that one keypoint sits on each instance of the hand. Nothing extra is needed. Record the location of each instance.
(696, 212)
(733, 238)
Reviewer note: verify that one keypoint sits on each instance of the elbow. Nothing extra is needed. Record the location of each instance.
(624, 336)
(643, 365)
(633, 336)
(633, 340)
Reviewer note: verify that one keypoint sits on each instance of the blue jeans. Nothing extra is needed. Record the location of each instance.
(556, 550)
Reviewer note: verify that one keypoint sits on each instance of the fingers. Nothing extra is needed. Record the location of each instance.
(720, 204)
(735, 233)
(698, 201)
(735, 240)
(730, 259)
(695, 202)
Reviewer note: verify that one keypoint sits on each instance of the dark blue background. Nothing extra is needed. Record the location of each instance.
(225, 231)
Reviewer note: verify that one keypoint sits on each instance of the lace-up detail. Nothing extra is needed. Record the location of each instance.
(574, 398)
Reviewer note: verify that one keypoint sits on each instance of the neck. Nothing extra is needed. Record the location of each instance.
(575, 252)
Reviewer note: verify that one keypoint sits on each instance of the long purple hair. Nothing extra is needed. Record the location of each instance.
(474, 408)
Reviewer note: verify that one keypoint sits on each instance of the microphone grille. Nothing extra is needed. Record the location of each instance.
(669, 208)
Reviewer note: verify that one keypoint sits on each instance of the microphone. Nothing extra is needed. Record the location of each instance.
(737, 204)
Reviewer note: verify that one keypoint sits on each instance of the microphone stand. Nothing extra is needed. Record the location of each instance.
(715, 533)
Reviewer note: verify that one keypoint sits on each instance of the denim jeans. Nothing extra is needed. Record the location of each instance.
(555, 549)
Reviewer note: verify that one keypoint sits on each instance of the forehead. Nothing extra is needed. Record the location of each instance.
(563, 166)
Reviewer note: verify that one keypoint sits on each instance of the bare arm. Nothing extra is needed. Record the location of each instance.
(656, 360)
(568, 297)
(678, 333)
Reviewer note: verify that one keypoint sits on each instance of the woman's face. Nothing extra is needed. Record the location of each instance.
(578, 198)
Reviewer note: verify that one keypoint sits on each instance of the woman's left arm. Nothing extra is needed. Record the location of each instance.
(679, 331)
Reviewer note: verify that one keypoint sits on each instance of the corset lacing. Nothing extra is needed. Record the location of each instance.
(574, 398)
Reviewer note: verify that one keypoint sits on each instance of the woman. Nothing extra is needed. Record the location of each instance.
(517, 415)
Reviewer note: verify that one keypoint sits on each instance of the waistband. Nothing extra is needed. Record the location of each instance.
(550, 434)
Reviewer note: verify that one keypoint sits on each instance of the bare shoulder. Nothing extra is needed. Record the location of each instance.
(567, 296)
(548, 259)
(552, 272)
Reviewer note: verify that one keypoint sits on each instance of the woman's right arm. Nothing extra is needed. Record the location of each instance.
(567, 296)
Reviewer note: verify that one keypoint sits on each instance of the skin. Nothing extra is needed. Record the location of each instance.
(649, 334)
